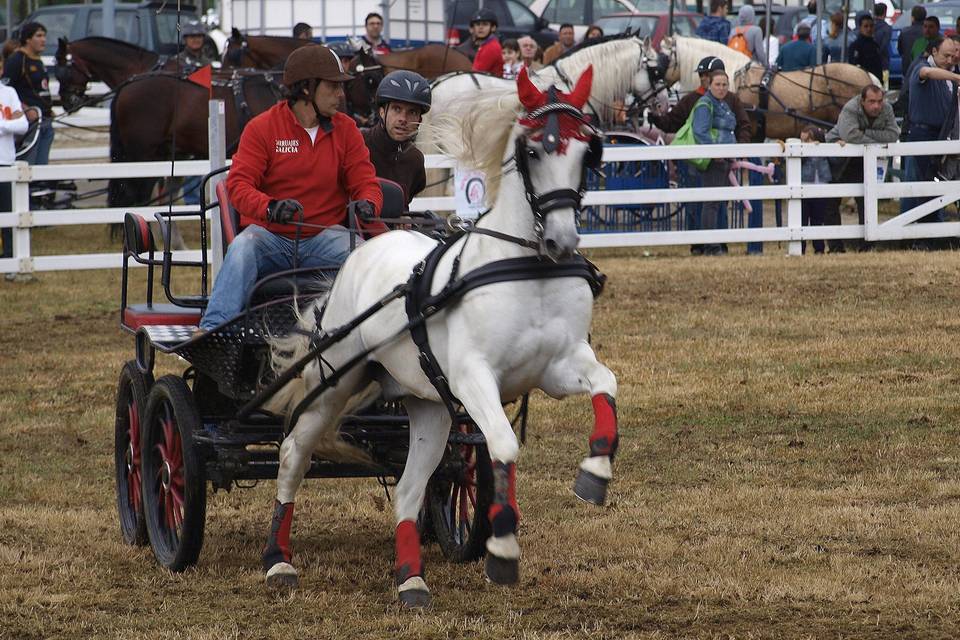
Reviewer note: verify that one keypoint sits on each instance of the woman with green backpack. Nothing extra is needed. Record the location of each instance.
(713, 122)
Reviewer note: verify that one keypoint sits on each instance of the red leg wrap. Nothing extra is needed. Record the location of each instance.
(504, 513)
(278, 543)
(604, 440)
(408, 562)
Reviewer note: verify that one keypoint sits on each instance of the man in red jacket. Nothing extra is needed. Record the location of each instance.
(299, 160)
(489, 58)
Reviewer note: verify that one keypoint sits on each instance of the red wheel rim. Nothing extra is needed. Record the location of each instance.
(133, 457)
(169, 480)
(462, 502)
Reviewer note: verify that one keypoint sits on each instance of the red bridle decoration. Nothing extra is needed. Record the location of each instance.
(532, 99)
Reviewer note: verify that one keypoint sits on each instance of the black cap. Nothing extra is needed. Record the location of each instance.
(710, 63)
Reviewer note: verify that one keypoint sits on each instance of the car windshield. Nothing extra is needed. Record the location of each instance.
(657, 5)
(641, 25)
(947, 14)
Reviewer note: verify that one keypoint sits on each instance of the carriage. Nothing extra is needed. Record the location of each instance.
(176, 434)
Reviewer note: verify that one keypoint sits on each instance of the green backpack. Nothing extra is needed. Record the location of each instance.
(685, 136)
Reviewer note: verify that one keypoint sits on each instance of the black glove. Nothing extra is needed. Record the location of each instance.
(283, 211)
(363, 209)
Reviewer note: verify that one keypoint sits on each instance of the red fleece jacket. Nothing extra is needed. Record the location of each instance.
(489, 57)
(276, 161)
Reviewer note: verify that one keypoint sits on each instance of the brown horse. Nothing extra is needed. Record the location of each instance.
(98, 59)
(156, 116)
(259, 52)
(794, 98)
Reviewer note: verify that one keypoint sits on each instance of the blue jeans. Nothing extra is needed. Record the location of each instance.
(755, 219)
(919, 169)
(40, 153)
(191, 190)
(255, 254)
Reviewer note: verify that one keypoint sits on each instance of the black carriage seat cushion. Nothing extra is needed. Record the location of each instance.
(137, 238)
(143, 314)
(394, 199)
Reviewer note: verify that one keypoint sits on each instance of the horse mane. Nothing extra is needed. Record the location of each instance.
(120, 44)
(477, 136)
(695, 49)
(615, 60)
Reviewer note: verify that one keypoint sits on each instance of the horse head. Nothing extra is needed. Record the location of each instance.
(668, 56)
(553, 149)
(73, 75)
(649, 86)
(361, 92)
(234, 51)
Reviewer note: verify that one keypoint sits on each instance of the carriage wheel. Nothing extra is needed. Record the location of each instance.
(460, 494)
(174, 481)
(131, 401)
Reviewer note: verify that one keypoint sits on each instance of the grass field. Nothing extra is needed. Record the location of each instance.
(789, 468)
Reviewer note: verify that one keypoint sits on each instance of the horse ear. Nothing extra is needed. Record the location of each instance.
(235, 34)
(530, 96)
(581, 92)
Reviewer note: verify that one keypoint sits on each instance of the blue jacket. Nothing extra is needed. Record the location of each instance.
(798, 54)
(719, 119)
(714, 28)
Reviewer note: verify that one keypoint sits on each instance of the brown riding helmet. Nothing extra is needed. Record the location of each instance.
(314, 61)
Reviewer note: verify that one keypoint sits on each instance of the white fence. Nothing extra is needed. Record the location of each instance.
(23, 220)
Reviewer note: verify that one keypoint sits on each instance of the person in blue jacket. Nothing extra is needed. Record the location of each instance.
(714, 123)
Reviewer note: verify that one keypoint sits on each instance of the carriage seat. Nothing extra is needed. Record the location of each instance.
(138, 244)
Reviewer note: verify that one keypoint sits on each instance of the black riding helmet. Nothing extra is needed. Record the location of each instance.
(484, 15)
(710, 63)
(404, 86)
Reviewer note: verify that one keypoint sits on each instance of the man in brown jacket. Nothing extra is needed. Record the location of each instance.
(402, 98)
(563, 44)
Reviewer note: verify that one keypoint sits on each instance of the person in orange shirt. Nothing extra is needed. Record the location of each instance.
(563, 44)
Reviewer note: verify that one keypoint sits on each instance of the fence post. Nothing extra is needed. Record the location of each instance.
(20, 199)
(871, 206)
(217, 146)
(794, 204)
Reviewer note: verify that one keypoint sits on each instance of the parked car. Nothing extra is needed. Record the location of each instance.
(151, 25)
(582, 13)
(946, 11)
(513, 17)
(652, 25)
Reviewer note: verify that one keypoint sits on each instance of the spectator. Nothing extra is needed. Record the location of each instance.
(911, 34)
(511, 59)
(814, 171)
(12, 123)
(24, 71)
(810, 20)
(833, 43)
(932, 84)
(530, 53)
(302, 31)
(402, 99)
(675, 118)
(715, 26)
(714, 123)
(865, 119)
(299, 159)
(883, 34)
(563, 44)
(373, 25)
(593, 32)
(772, 42)
(931, 32)
(750, 33)
(489, 58)
(799, 54)
(865, 52)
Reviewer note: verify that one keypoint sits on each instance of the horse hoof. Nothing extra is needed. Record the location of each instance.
(590, 488)
(282, 576)
(414, 594)
(502, 570)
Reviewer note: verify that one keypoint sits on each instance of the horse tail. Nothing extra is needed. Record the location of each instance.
(284, 352)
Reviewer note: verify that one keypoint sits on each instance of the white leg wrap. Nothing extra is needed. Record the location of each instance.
(415, 583)
(505, 547)
(281, 568)
(599, 466)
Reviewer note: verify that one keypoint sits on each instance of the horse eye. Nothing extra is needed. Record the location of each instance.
(531, 153)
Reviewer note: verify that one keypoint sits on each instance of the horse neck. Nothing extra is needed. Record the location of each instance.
(114, 67)
(511, 215)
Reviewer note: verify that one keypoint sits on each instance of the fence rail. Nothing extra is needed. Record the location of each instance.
(793, 191)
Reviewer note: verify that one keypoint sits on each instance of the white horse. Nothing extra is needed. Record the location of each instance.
(622, 65)
(494, 344)
(685, 54)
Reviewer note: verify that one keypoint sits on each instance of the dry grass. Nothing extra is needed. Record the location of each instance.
(789, 468)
